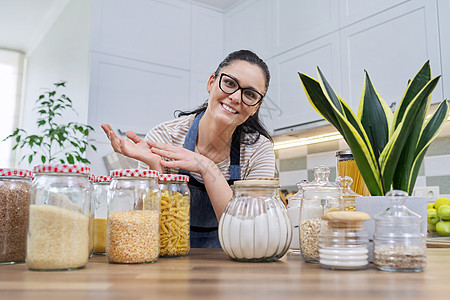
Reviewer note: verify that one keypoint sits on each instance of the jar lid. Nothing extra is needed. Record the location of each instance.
(15, 172)
(173, 177)
(258, 182)
(91, 177)
(62, 168)
(344, 152)
(134, 173)
(102, 178)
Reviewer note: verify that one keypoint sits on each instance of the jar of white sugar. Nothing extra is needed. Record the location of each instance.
(133, 217)
(59, 221)
(255, 226)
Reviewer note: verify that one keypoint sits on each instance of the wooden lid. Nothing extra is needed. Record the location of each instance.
(258, 182)
(346, 219)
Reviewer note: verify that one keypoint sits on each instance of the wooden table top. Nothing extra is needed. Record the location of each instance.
(210, 274)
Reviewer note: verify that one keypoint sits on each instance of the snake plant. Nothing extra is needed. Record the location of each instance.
(388, 147)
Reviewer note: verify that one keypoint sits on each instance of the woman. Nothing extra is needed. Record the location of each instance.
(218, 143)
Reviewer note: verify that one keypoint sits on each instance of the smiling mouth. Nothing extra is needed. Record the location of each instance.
(226, 107)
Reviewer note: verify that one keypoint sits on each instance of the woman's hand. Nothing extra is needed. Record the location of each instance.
(137, 148)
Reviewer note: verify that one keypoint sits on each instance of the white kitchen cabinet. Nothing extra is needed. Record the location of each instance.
(444, 33)
(287, 90)
(391, 46)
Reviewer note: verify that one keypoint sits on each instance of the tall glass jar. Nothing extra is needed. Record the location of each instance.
(174, 222)
(100, 204)
(133, 217)
(255, 226)
(319, 196)
(14, 206)
(59, 233)
(346, 166)
(399, 244)
(293, 209)
(343, 241)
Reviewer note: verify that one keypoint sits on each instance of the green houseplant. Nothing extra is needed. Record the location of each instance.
(58, 142)
(388, 147)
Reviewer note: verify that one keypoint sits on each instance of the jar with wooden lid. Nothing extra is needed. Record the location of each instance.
(100, 205)
(174, 221)
(59, 227)
(14, 207)
(343, 241)
(255, 226)
(133, 217)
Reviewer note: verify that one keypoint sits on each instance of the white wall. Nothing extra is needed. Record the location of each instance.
(62, 54)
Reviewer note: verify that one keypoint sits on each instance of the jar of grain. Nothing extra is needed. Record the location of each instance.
(133, 217)
(14, 206)
(343, 241)
(255, 226)
(399, 244)
(174, 223)
(59, 229)
(100, 205)
(319, 196)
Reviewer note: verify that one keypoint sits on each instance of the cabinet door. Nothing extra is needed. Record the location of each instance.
(288, 90)
(444, 33)
(391, 46)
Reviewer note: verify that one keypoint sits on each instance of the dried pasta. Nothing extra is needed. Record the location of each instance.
(349, 168)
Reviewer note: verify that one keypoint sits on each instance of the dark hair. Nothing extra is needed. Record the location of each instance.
(253, 124)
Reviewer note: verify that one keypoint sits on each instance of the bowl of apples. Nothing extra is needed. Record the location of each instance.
(438, 217)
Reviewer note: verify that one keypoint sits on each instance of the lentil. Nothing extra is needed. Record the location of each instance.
(99, 235)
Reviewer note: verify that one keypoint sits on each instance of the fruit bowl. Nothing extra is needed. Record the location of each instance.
(438, 218)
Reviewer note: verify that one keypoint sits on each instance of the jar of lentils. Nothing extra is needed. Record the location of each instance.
(59, 227)
(100, 204)
(133, 217)
(14, 205)
(174, 223)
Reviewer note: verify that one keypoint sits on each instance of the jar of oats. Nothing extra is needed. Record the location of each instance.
(174, 222)
(100, 205)
(14, 206)
(59, 227)
(319, 196)
(133, 217)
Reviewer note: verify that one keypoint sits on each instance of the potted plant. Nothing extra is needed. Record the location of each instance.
(388, 147)
(58, 142)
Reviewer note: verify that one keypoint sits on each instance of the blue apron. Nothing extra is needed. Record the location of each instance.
(204, 224)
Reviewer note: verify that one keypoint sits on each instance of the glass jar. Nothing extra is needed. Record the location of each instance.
(343, 241)
(346, 166)
(174, 222)
(100, 205)
(293, 209)
(255, 226)
(319, 196)
(59, 231)
(347, 193)
(399, 244)
(133, 217)
(14, 206)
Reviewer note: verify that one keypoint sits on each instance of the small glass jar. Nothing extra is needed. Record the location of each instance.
(319, 196)
(293, 209)
(343, 241)
(255, 226)
(399, 244)
(347, 193)
(133, 217)
(14, 206)
(100, 205)
(346, 166)
(59, 227)
(174, 222)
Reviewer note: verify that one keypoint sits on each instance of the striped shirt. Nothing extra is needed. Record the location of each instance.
(257, 160)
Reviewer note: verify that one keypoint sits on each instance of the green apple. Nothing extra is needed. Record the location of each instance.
(430, 205)
(444, 212)
(443, 228)
(432, 216)
(441, 201)
(432, 227)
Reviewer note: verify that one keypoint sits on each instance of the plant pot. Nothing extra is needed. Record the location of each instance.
(377, 204)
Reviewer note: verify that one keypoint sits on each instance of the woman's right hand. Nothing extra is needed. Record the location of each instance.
(137, 148)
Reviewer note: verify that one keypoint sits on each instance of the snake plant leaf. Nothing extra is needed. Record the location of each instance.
(375, 115)
(414, 87)
(390, 156)
(429, 134)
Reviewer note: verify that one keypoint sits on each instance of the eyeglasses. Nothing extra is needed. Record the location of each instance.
(229, 85)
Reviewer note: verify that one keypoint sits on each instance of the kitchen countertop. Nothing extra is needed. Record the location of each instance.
(210, 274)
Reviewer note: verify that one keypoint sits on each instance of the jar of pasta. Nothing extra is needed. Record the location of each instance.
(346, 166)
(100, 204)
(133, 217)
(174, 222)
(14, 206)
(59, 222)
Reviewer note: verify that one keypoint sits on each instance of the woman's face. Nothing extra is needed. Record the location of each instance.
(228, 109)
